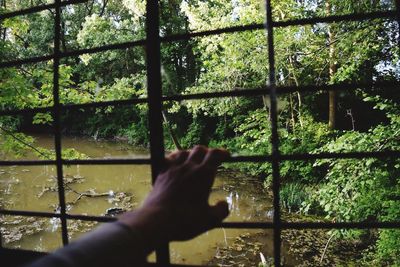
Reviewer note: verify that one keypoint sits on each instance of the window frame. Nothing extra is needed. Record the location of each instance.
(155, 101)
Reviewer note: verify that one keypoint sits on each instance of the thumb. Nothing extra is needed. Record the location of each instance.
(219, 212)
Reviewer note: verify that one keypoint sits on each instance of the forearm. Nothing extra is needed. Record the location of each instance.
(113, 244)
(177, 209)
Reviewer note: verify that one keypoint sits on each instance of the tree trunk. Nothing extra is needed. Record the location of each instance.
(296, 82)
(292, 113)
(332, 71)
(63, 41)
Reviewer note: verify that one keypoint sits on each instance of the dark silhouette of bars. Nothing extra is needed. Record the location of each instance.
(155, 100)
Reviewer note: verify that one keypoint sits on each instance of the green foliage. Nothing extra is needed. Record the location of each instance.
(365, 189)
(355, 189)
(17, 145)
(388, 242)
(303, 138)
(193, 134)
(253, 137)
(293, 196)
(12, 146)
(137, 133)
(254, 133)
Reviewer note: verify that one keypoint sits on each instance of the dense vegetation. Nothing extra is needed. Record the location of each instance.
(345, 121)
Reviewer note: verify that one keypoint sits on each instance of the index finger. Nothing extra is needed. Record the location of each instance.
(175, 158)
(209, 165)
(215, 157)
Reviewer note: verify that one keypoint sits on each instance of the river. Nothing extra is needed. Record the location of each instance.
(32, 188)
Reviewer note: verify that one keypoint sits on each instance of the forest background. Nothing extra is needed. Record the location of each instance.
(364, 119)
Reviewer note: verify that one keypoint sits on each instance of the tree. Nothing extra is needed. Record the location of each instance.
(332, 69)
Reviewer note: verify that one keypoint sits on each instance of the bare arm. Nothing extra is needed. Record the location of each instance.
(176, 209)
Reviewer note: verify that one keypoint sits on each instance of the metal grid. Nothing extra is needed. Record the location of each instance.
(155, 101)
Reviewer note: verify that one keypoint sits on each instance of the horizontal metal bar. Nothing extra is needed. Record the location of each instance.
(104, 48)
(233, 159)
(105, 104)
(233, 93)
(229, 225)
(25, 111)
(27, 162)
(56, 215)
(138, 161)
(19, 62)
(39, 8)
(280, 90)
(251, 158)
(345, 155)
(305, 21)
(101, 219)
(154, 264)
(74, 53)
(389, 14)
(341, 225)
(30, 213)
(112, 161)
(246, 225)
(76, 106)
(177, 37)
(231, 29)
(127, 45)
(306, 156)
(312, 225)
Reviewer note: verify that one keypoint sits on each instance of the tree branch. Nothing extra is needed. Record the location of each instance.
(36, 150)
(23, 142)
(105, 2)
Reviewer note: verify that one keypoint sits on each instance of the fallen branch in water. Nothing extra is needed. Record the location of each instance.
(90, 193)
(326, 247)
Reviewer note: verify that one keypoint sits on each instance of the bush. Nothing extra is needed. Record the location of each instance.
(388, 244)
(292, 196)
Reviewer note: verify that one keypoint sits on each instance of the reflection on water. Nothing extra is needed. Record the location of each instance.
(118, 186)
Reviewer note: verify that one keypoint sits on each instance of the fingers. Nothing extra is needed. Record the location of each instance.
(203, 162)
(208, 157)
(175, 158)
(178, 157)
(219, 212)
(197, 154)
(215, 157)
(209, 166)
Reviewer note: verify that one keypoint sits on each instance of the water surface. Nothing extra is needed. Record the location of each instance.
(27, 188)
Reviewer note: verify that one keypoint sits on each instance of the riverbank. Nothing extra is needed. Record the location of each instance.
(303, 248)
(34, 188)
(300, 248)
(125, 186)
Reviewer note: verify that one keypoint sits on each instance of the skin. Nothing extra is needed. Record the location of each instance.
(177, 208)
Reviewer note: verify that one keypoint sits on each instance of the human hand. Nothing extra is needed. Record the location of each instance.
(177, 208)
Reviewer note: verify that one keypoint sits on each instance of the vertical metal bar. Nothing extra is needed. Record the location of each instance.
(1, 237)
(154, 87)
(274, 135)
(57, 121)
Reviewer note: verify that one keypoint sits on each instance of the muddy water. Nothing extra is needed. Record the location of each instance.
(24, 188)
